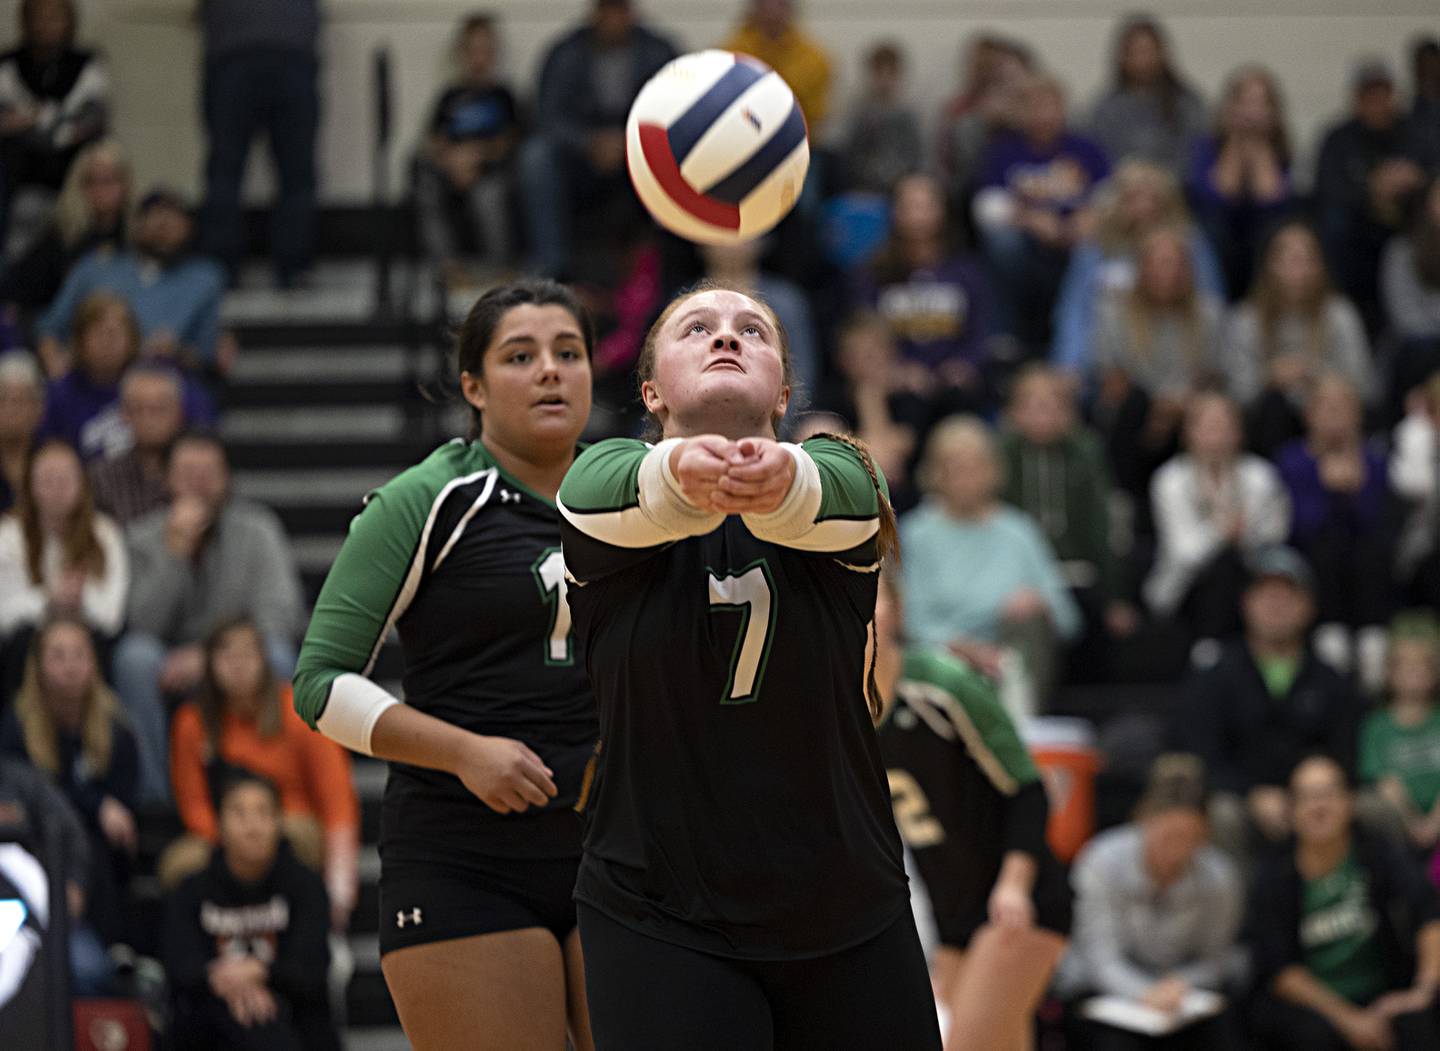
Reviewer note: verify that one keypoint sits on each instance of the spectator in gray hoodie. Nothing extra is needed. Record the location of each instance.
(205, 558)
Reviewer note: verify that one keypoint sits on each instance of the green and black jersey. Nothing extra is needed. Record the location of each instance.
(464, 562)
(741, 806)
(965, 792)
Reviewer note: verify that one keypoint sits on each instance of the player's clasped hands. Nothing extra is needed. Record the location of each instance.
(749, 476)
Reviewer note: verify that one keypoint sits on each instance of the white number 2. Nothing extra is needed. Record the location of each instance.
(748, 593)
(549, 572)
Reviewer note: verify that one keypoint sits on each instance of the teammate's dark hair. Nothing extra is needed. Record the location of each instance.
(477, 331)
(645, 366)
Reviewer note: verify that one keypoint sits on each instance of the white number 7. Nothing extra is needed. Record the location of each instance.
(748, 593)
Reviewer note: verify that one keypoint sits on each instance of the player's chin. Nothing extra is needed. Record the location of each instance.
(551, 418)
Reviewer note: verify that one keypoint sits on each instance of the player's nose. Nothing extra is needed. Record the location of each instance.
(723, 342)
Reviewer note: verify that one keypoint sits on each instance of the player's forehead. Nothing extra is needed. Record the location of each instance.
(720, 303)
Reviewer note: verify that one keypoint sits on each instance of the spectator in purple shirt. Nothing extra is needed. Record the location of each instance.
(1239, 177)
(1034, 186)
(1338, 486)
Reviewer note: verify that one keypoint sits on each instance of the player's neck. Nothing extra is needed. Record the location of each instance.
(725, 425)
(541, 469)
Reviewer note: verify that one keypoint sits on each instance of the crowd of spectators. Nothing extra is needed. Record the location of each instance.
(1135, 373)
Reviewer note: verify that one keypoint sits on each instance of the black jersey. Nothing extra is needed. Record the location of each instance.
(741, 807)
(464, 562)
(965, 792)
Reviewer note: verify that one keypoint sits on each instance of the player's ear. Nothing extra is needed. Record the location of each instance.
(650, 395)
(473, 388)
(784, 402)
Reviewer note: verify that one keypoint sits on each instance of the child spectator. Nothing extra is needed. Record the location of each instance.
(463, 179)
(1400, 745)
(207, 557)
(1290, 328)
(1338, 486)
(89, 216)
(22, 407)
(1212, 505)
(152, 409)
(1154, 347)
(882, 142)
(175, 296)
(1346, 932)
(979, 577)
(993, 69)
(1415, 478)
(1055, 472)
(57, 555)
(245, 943)
(935, 298)
(1362, 180)
(880, 400)
(1239, 175)
(83, 406)
(1149, 113)
(243, 719)
(1034, 185)
(1266, 702)
(1136, 200)
(68, 725)
(54, 99)
(1157, 913)
(1410, 287)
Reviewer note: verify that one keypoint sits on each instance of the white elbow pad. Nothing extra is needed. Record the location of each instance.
(354, 706)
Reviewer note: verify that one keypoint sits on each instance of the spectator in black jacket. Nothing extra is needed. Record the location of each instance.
(1364, 177)
(1265, 704)
(1346, 932)
(245, 941)
(577, 153)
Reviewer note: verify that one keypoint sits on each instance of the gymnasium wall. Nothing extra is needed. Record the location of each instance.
(155, 54)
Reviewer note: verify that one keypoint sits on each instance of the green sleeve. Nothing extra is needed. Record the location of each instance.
(846, 491)
(605, 478)
(372, 581)
(973, 703)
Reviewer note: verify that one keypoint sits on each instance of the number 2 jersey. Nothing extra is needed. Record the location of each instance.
(464, 562)
(741, 807)
(965, 792)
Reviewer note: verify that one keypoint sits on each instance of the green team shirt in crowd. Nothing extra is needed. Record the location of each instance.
(464, 562)
(1339, 928)
(1410, 753)
(741, 807)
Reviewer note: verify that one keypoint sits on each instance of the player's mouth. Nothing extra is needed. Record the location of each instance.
(550, 403)
(724, 363)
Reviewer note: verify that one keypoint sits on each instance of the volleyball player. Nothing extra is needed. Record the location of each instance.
(742, 884)
(972, 810)
(479, 840)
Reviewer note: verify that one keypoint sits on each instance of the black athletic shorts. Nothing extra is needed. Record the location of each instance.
(650, 995)
(1053, 901)
(425, 900)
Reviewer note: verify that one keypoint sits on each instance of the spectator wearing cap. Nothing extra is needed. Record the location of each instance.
(772, 33)
(132, 483)
(1264, 704)
(1345, 931)
(576, 155)
(205, 558)
(464, 177)
(1364, 176)
(22, 406)
(175, 295)
(54, 98)
(261, 75)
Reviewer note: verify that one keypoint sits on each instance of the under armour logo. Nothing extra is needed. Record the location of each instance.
(507, 497)
(413, 918)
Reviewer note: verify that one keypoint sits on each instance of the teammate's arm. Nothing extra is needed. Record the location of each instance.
(366, 589)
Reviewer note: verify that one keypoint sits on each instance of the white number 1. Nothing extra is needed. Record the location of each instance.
(549, 572)
(748, 593)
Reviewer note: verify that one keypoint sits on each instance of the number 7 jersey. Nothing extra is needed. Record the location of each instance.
(741, 806)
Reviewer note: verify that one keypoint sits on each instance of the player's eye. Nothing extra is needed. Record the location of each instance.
(520, 357)
(753, 330)
(568, 354)
(696, 326)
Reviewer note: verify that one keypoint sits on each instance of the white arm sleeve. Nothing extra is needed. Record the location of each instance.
(351, 711)
(795, 517)
(663, 502)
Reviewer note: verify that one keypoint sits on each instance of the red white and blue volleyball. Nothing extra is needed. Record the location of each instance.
(717, 147)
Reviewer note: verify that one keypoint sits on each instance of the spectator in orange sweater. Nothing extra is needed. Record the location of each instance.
(772, 33)
(243, 718)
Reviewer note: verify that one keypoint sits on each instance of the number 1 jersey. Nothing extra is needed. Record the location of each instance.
(741, 806)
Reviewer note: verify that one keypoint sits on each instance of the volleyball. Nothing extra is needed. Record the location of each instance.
(717, 147)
